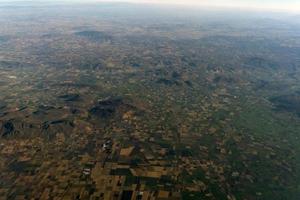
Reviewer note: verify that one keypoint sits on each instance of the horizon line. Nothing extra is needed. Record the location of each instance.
(252, 7)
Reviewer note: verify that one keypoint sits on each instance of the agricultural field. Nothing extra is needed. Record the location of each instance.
(125, 101)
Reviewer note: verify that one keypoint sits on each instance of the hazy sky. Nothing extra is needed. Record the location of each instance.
(292, 5)
(266, 4)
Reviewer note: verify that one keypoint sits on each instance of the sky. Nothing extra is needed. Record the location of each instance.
(293, 5)
(289, 5)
